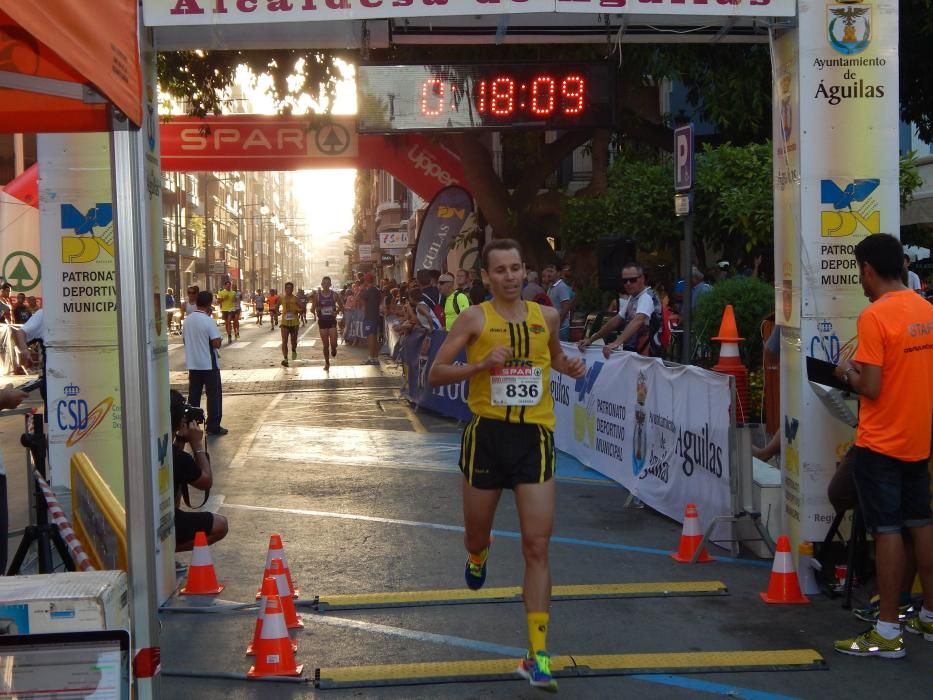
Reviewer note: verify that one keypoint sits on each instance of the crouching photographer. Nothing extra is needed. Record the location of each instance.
(192, 467)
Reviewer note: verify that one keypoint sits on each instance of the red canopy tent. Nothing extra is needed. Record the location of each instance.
(62, 61)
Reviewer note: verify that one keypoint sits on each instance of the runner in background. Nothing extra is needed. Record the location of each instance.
(272, 301)
(302, 307)
(259, 305)
(227, 298)
(511, 345)
(237, 311)
(290, 322)
(326, 305)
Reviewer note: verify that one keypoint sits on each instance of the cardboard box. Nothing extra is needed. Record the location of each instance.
(65, 602)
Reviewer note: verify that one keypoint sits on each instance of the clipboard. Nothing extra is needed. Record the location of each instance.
(821, 372)
(832, 392)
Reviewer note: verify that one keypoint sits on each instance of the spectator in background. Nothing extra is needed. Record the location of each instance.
(478, 293)
(20, 311)
(32, 304)
(532, 289)
(462, 281)
(6, 302)
(455, 301)
(559, 293)
(371, 299)
(202, 339)
(913, 279)
(699, 287)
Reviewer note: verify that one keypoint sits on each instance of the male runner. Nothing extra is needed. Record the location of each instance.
(302, 306)
(289, 323)
(259, 303)
(325, 305)
(511, 345)
(227, 298)
(272, 301)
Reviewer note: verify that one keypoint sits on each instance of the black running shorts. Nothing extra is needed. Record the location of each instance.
(188, 523)
(498, 455)
(326, 323)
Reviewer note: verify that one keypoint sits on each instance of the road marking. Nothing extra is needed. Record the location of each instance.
(239, 459)
(415, 421)
(238, 344)
(175, 346)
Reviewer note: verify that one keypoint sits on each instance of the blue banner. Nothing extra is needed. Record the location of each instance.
(441, 224)
(419, 348)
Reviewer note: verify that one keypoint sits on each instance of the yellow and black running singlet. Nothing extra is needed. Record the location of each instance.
(520, 391)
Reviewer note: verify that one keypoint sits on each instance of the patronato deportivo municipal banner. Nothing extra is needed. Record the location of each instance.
(418, 351)
(190, 12)
(662, 432)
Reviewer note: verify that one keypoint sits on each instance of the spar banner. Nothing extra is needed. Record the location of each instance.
(662, 432)
(442, 222)
(419, 348)
(214, 12)
(19, 236)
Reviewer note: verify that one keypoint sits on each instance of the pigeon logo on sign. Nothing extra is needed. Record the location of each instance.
(423, 161)
(87, 243)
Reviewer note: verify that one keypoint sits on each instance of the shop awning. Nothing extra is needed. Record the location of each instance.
(61, 61)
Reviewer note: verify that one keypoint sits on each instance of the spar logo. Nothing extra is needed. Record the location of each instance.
(423, 161)
(72, 414)
(849, 207)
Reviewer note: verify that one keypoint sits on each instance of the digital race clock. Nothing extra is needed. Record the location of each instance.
(483, 96)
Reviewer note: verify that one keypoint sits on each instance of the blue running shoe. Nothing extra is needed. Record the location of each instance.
(475, 574)
(537, 671)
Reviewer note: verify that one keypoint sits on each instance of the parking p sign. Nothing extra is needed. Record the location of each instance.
(683, 158)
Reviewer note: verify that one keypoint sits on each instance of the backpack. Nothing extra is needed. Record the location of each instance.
(659, 328)
(437, 308)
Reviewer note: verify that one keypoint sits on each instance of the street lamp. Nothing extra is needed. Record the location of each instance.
(263, 211)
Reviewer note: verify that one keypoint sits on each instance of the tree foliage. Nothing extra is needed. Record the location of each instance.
(916, 80)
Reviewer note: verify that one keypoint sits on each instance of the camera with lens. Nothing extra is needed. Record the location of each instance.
(193, 414)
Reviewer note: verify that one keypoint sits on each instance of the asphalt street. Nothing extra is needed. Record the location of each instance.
(365, 493)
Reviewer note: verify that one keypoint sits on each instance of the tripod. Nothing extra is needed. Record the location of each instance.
(42, 533)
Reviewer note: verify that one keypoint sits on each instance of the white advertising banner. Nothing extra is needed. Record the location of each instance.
(661, 432)
(173, 12)
(691, 8)
(191, 12)
(847, 73)
(76, 216)
(80, 321)
(19, 246)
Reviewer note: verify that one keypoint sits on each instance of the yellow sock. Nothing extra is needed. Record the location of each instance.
(479, 559)
(537, 631)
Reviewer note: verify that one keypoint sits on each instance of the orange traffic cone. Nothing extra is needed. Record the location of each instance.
(269, 588)
(277, 551)
(274, 654)
(690, 539)
(201, 577)
(292, 619)
(783, 586)
(730, 362)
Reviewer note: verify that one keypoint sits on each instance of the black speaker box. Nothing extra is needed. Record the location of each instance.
(611, 255)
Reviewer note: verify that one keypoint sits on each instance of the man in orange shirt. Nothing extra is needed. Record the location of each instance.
(892, 371)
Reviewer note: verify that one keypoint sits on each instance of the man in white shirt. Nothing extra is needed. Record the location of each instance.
(560, 295)
(633, 316)
(202, 339)
(913, 279)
